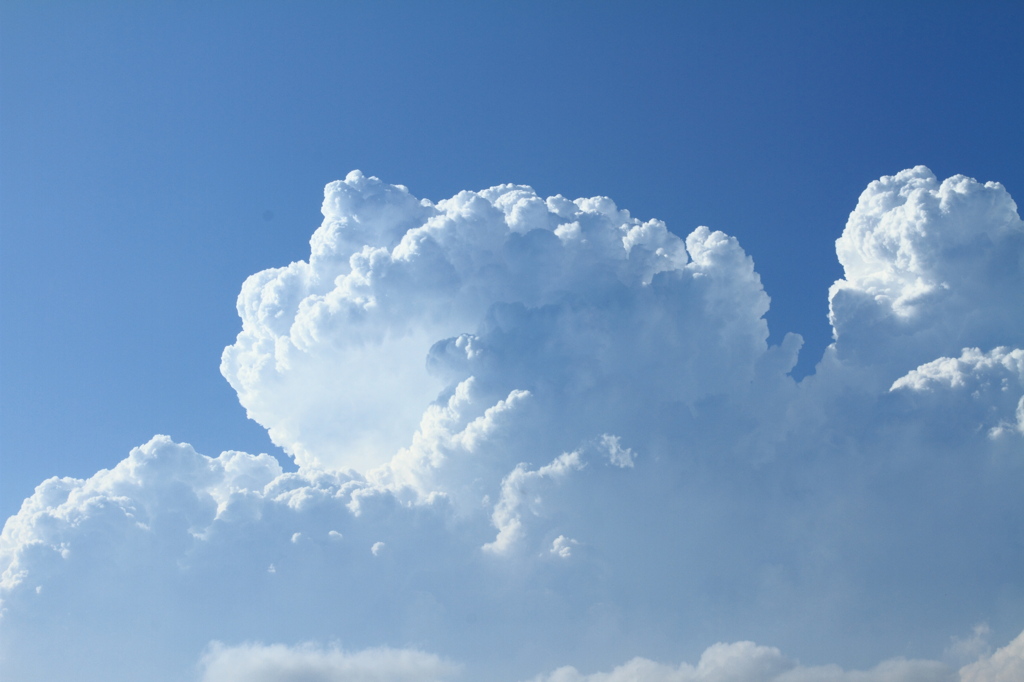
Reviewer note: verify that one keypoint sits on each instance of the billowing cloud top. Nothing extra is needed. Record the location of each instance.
(339, 356)
(539, 437)
(930, 268)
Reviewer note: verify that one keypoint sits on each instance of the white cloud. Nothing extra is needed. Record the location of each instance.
(521, 488)
(972, 648)
(562, 547)
(452, 449)
(722, 662)
(989, 387)
(331, 353)
(309, 663)
(929, 268)
(1005, 665)
(968, 371)
(617, 455)
(427, 352)
(156, 480)
(749, 662)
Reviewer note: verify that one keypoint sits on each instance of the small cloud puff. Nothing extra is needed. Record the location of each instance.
(562, 547)
(617, 455)
(521, 488)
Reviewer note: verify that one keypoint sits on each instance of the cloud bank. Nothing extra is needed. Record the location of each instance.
(534, 433)
(721, 662)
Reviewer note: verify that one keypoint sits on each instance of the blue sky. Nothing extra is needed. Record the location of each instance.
(143, 145)
(154, 155)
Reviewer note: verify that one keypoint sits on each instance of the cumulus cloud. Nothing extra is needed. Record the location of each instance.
(749, 662)
(309, 663)
(929, 268)
(989, 387)
(721, 662)
(340, 355)
(562, 546)
(536, 431)
(737, 662)
(1005, 665)
(161, 488)
(170, 549)
(519, 488)
(453, 449)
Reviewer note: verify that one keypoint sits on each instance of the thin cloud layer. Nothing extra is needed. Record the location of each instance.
(535, 433)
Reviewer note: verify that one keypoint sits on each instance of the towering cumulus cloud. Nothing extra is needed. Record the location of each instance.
(930, 268)
(538, 438)
(402, 299)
